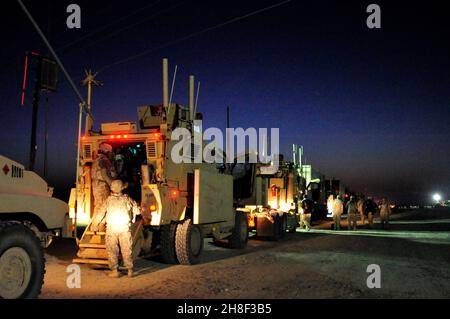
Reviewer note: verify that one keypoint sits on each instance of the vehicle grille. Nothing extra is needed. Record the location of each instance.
(87, 151)
(151, 150)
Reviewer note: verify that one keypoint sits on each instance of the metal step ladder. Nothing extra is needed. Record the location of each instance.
(92, 246)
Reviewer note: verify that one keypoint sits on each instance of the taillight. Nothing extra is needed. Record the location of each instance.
(274, 190)
(158, 136)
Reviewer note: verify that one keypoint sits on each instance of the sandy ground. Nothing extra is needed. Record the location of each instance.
(413, 254)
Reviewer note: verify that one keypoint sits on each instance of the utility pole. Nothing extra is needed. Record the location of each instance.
(227, 139)
(36, 98)
(89, 81)
(82, 103)
(46, 138)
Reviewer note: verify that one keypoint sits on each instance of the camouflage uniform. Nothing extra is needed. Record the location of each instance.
(330, 204)
(385, 212)
(102, 174)
(338, 209)
(360, 205)
(120, 212)
(352, 210)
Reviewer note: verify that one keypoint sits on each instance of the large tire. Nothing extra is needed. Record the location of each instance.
(168, 252)
(239, 237)
(276, 228)
(283, 226)
(293, 228)
(22, 262)
(188, 243)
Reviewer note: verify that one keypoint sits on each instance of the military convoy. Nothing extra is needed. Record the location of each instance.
(268, 197)
(29, 219)
(181, 203)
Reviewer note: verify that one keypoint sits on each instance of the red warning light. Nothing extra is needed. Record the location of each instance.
(274, 190)
(24, 83)
(83, 138)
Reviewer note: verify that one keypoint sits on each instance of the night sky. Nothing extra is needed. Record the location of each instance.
(370, 107)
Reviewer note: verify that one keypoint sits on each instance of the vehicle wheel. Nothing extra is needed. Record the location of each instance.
(168, 234)
(294, 226)
(276, 228)
(283, 226)
(22, 262)
(188, 243)
(239, 237)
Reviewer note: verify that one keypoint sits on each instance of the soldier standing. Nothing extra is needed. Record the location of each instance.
(121, 212)
(330, 203)
(338, 209)
(385, 212)
(360, 205)
(307, 209)
(352, 211)
(370, 209)
(102, 175)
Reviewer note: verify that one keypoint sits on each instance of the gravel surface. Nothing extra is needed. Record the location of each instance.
(413, 255)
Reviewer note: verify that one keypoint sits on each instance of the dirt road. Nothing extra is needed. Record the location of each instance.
(413, 255)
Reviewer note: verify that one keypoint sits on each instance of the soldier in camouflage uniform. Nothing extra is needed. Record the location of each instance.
(360, 204)
(385, 212)
(102, 175)
(121, 212)
(338, 209)
(352, 211)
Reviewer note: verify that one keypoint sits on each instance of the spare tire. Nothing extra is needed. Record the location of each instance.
(22, 262)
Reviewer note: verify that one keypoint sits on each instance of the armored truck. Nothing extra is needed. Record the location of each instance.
(30, 217)
(181, 202)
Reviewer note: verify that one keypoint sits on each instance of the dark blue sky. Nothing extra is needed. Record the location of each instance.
(371, 107)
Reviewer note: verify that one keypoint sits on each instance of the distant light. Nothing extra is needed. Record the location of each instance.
(437, 197)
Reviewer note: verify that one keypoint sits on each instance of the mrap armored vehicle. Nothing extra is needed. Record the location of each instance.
(29, 219)
(181, 203)
(267, 195)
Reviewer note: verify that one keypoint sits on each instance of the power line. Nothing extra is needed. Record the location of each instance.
(143, 53)
(100, 29)
(109, 35)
